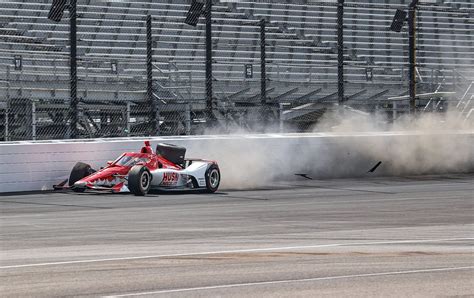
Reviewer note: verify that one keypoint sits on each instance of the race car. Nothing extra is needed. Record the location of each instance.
(140, 172)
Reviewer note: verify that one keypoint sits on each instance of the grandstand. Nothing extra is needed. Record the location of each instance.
(301, 71)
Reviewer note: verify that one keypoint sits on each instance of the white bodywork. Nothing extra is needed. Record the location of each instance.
(169, 178)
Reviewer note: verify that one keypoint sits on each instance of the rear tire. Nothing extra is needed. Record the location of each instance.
(79, 171)
(213, 178)
(171, 152)
(139, 180)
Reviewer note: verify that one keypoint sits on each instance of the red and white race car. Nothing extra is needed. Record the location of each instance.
(140, 172)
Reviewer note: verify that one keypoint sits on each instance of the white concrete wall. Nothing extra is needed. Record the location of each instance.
(251, 160)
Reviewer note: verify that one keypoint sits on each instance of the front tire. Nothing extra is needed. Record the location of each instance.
(213, 178)
(79, 171)
(139, 180)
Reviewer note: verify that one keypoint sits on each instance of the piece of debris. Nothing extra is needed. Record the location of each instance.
(375, 167)
(304, 176)
(60, 185)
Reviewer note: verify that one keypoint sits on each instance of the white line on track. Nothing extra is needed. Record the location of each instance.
(273, 282)
(233, 251)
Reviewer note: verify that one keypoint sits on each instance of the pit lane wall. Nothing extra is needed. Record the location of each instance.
(252, 160)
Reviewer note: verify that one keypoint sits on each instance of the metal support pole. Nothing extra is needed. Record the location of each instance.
(8, 83)
(263, 66)
(7, 111)
(73, 68)
(412, 54)
(280, 112)
(209, 100)
(190, 89)
(454, 80)
(154, 113)
(187, 118)
(33, 120)
(7, 108)
(263, 76)
(128, 119)
(340, 51)
(394, 110)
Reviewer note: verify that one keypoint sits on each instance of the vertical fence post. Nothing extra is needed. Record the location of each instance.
(190, 90)
(394, 110)
(154, 113)
(432, 80)
(73, 67)
(340, 51)
(8, 83)
(55, 69)
(170, 76)
(263, 65)
(33, 120)
(412, 54)
(209, 101)
(265, 112)
(7, 108)
(187, 118)
(454, 80)
(128, 120)
(280, 112)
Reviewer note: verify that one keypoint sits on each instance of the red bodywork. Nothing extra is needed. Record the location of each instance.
(113, 176)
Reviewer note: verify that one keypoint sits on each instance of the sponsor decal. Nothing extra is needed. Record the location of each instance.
(202, 181)
(170, 179)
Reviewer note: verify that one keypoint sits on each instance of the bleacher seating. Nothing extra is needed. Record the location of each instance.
(301, 50)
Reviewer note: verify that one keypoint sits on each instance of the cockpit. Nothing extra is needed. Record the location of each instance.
(130, 161)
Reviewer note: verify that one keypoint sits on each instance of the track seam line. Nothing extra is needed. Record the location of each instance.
(230, 251)
(294, 280)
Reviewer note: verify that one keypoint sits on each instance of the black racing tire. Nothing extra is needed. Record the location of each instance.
(213, 178)
(173, 153)
(139, 180)
(79, 171)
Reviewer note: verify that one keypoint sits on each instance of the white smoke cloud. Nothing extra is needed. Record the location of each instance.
(347, 147)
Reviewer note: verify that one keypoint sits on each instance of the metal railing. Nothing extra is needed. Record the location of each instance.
(303, 52)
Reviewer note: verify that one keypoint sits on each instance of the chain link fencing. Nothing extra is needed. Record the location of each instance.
(115, 97)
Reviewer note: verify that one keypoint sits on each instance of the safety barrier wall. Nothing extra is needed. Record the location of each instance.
(252, 160)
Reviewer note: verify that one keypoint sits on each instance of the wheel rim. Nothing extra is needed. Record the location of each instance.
(214, 178)
(145, 180)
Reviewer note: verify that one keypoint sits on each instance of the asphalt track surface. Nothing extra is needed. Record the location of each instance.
(391, 237)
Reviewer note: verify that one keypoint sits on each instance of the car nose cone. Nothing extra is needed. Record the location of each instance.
(80, 184)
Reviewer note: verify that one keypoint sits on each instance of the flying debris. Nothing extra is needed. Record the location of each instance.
(304, 176)
(374, 167)
(60, 185)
